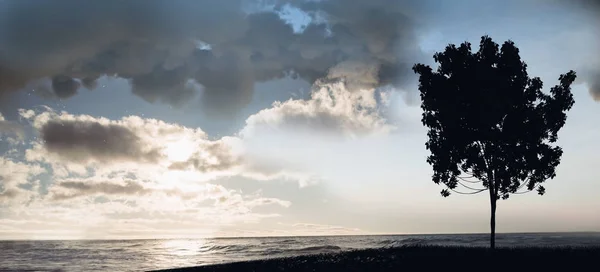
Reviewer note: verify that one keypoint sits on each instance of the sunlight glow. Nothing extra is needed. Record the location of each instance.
(185, 247)
(179, 150)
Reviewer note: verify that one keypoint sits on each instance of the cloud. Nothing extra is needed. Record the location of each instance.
(139, 192)
(587, 57)
(591, 64)
(268, 201)
(343, 107)
(594, 86)
(592, 6)
(85, 139)
(147, 148)
(74, 189)
(331, 110)
(161, 48)
(131, 187)
(15, 175)
(126, 204)
(7, 127)
(345, 103)
(215, 156)
(65, 86)
(131, 215)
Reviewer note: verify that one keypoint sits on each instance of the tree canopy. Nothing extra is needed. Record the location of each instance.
(491, 127)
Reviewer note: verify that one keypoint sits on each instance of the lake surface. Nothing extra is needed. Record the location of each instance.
(141, 255)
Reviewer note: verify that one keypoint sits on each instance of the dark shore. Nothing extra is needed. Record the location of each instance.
(428, 258)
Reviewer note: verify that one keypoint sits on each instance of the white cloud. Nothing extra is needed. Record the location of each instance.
(106, 174)
(140, 218)
(69, 189)
(84, 139)
(99, 207)
(148, 148)
(138, 175)
(15, 175)
(332, 110)
(11, 128)
(307, 139)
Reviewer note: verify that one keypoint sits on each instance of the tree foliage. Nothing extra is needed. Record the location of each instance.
(490, 125)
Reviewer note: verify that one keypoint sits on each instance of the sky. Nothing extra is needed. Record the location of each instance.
(165, 119)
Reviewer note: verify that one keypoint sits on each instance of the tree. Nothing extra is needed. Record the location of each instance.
(490, 126)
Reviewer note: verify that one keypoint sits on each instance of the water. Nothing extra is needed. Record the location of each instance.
(141, 255)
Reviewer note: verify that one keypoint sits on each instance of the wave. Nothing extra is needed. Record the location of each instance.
(224, 248)
(388, 243)
(317, 248)
(414, 241)
(280, 242)
(385, 242)
(402, 242)
(303, 250)
(135, 245)
(287, 241)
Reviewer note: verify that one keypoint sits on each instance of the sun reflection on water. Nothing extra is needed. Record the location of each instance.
(176, 253)
(183, 247)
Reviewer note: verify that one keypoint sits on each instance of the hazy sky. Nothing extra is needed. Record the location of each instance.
(138, 119)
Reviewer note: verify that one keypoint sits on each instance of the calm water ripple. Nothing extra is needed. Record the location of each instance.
(141, 255)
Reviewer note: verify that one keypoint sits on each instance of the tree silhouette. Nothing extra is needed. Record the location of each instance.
(491, 128)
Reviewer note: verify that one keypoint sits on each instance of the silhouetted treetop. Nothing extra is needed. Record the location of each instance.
(490, 122)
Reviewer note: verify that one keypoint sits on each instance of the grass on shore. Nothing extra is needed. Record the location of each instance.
(428, 258)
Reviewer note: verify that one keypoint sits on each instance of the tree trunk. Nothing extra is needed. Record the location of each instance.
(493, 220)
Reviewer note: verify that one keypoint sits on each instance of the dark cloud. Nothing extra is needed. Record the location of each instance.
(594, 85)
(8, 194)
(82, 141)
(155, 45)
(72, 189)
(152, 87)
(584, 5)
(89, 82)
(64, 86)
(590, 73)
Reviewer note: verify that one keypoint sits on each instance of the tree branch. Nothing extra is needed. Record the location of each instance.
(471, 175)
(469, 181)
(482, 153)
(475, 189)
(490, 175)
(525, 182)
(486, 162)
(528, 191)
(471, 193)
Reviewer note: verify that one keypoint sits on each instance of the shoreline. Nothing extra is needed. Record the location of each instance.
(428, 258)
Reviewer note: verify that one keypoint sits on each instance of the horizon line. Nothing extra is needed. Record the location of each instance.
(297, 236)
